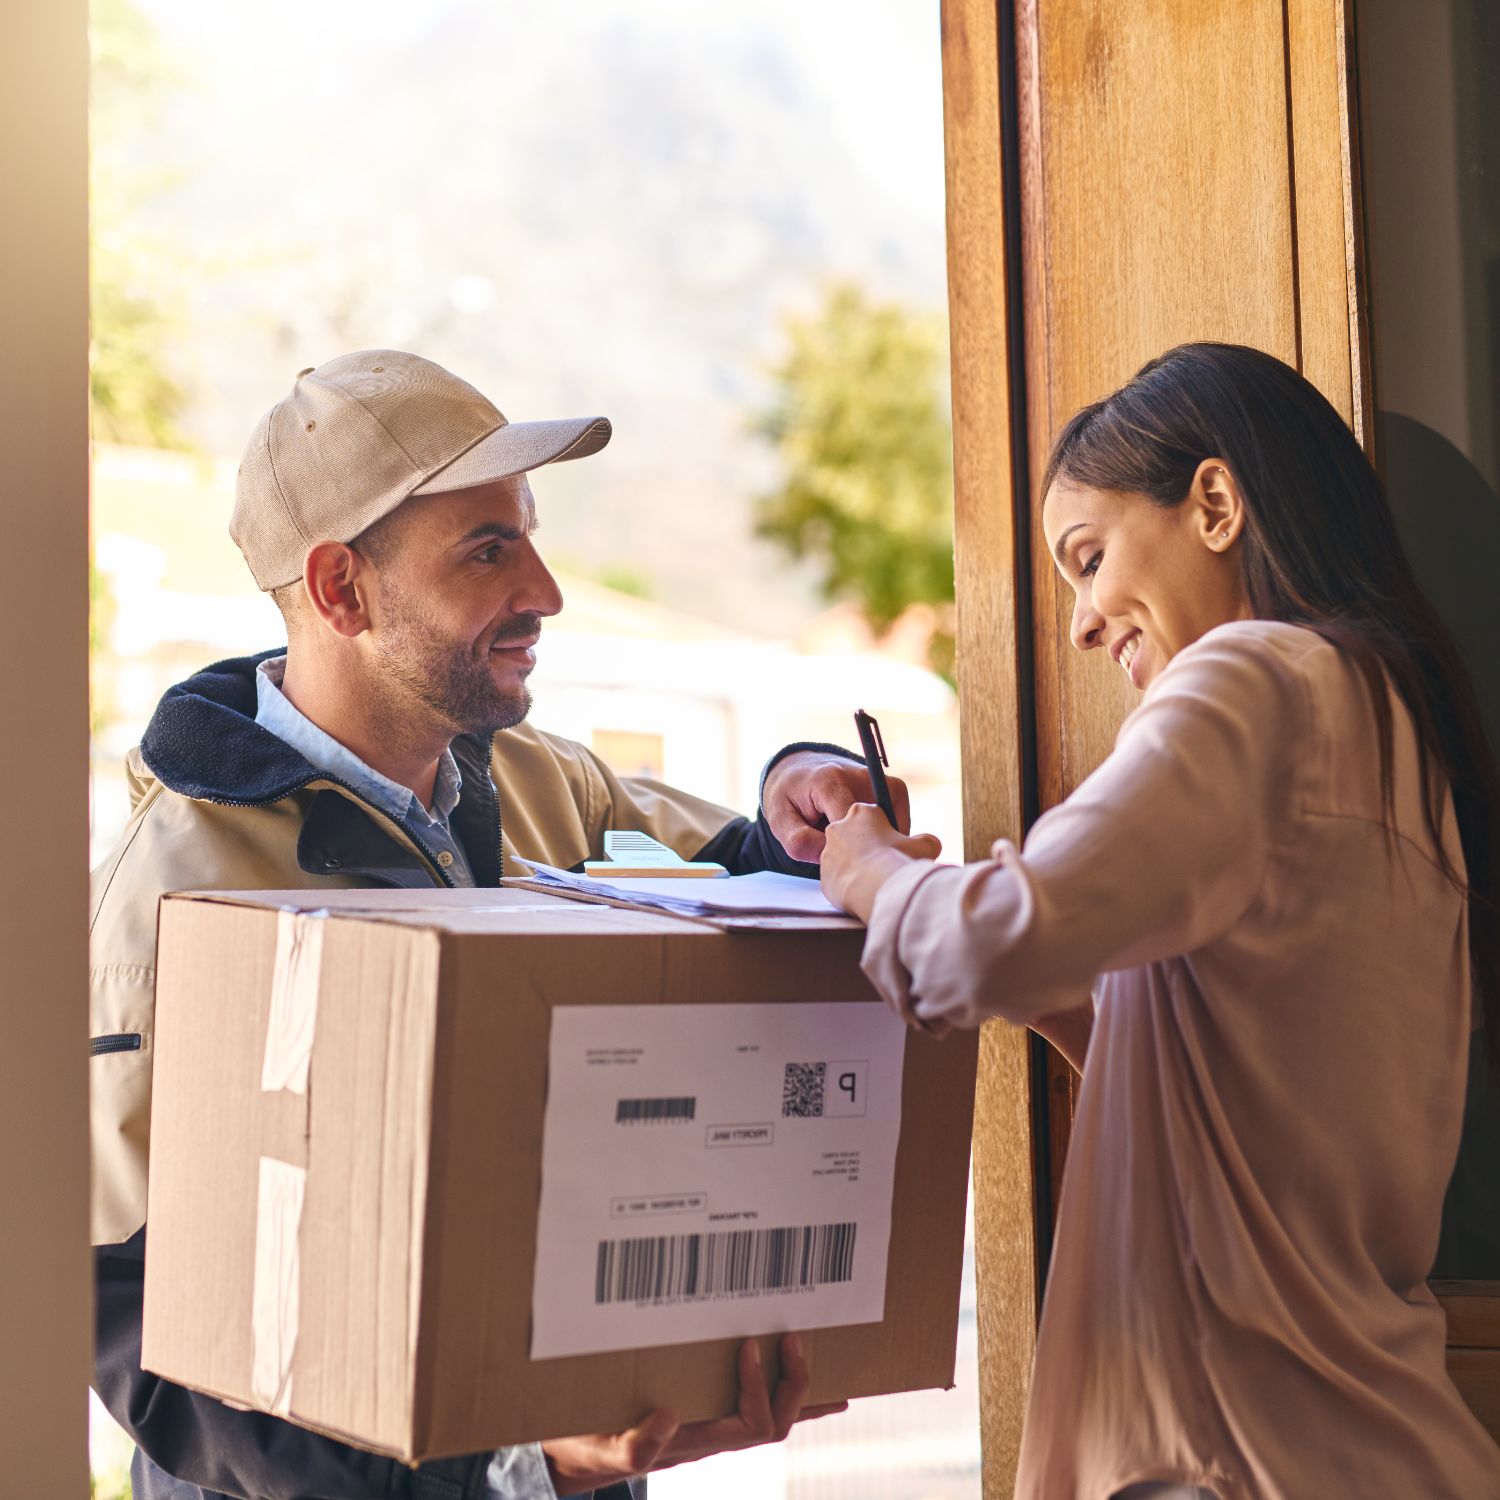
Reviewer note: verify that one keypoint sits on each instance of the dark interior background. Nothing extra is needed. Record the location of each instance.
(1429, 120)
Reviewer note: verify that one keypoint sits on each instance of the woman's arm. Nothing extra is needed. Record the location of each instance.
(1159, 852)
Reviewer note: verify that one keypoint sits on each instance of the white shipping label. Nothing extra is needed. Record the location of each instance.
(714, 1170)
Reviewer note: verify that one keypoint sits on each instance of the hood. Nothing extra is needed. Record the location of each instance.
(203, 740)
(138, 780)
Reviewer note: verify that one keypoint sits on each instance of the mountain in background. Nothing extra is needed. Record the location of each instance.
(582, 209)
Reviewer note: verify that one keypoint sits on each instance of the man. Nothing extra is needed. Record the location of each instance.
(385, 505)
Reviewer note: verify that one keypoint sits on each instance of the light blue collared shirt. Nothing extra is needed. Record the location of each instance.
(276, 712)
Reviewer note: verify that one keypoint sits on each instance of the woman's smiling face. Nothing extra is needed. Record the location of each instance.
(1148, 579)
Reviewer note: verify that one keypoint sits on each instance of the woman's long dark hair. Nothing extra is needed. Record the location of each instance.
(1320, 548)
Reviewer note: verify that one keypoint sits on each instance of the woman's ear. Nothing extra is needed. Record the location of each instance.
(1217, 511)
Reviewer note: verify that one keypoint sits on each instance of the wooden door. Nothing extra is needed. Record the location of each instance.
(1123, 175)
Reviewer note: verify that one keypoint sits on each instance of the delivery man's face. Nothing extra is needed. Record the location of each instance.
(458, 604)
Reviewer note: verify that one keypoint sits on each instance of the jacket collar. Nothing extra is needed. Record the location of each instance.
(203, 741)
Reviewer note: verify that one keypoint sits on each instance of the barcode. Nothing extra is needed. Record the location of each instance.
(637, 1111)
(739, 1260)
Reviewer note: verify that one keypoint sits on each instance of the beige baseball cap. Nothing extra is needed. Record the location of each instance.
(363, 432)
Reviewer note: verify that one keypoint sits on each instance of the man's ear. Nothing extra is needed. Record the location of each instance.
(336, 580)
(1218, 513)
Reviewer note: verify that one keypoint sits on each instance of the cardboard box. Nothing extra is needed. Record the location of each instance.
(400, 1305)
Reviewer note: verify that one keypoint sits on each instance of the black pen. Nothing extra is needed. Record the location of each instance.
(873, 747)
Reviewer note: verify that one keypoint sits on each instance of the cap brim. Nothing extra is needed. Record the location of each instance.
(517, 448)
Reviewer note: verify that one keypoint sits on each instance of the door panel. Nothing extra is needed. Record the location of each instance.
(1332, 344)
(1159, 181)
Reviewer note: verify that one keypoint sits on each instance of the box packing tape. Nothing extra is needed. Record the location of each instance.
(293, 1018)
(294, 1001)
(278, 1218)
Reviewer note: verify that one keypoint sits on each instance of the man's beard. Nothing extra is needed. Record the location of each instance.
(453, 680)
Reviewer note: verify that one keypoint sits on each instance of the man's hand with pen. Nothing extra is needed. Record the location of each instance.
(824, 809)
(810, 789)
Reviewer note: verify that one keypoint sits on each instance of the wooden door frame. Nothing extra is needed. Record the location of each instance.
(992, 572)
(45, 1269)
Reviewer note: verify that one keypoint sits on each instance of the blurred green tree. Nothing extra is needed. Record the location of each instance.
(860, 419)
(624, 579)
(134, 308)
(112, 1486)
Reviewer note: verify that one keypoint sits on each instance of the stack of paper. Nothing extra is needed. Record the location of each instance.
(764, 894)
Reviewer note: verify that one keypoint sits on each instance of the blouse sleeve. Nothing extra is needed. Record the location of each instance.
(1157, 853)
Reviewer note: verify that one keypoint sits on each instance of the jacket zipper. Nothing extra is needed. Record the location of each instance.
(499, 826)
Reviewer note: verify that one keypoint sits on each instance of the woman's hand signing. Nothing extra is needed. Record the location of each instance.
(809, 789)
(862, 851)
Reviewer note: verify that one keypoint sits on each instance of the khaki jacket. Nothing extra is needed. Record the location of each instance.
(195, 826)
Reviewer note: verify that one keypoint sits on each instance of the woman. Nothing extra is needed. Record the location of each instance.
(1280, 886)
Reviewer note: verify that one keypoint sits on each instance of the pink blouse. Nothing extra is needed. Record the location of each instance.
(1271, 1108)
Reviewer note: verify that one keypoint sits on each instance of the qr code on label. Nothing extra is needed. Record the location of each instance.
(802, 1091)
